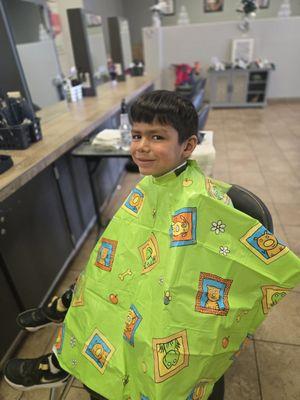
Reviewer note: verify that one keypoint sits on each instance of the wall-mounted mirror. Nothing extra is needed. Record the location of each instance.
(120, 44)
(88, 49)
(36, 49)
(97, 46)
(12, 76)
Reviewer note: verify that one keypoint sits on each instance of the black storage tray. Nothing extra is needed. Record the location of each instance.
(6, 162)
(15, 137)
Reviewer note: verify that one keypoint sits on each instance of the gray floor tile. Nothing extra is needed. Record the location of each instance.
(8, 393)
(279, 367)
(246, 178)
(288, 215)
(77, 394)
(291, 180)
(293, 233)
(40, 394)
(37, 343)
(284, 194)
(241, 380)
(277, 329)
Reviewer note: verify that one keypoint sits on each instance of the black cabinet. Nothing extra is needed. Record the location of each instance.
(75, 190)
(82, 190)
(257, 87)
(106, 177)
(8, 311)
(35, 237)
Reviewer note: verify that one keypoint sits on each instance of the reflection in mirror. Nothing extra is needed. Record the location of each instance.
(88, 49)
(120, 44)
(97, 47)
(126, 44)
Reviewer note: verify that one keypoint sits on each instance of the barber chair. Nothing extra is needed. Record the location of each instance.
(247, 202)
(197, 100)
(197, 86)
(202, 117)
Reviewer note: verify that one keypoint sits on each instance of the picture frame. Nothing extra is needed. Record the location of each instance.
(242, 49)
(263, 4)
(213, 6)
(170, 7)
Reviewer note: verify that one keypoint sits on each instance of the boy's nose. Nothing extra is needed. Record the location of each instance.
(143, 145)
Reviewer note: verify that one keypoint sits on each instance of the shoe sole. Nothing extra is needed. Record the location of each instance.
(36, 328)
(40, 386)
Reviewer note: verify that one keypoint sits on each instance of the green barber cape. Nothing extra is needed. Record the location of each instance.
(176, 284)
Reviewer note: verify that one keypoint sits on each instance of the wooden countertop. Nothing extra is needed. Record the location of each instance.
(63, 126)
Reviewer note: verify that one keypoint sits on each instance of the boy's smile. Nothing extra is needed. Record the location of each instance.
(155, 148)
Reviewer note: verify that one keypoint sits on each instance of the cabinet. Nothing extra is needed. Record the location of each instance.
(35, 237)
(74, 187)
(8, 311)
(239, 88)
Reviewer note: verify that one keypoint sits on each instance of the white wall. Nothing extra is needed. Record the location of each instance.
(139, 15)
(196, 12)
(274, 39)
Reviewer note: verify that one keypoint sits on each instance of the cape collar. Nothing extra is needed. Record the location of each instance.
(172, 175)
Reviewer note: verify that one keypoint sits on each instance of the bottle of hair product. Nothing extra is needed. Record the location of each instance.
(183, 18)
(284, 9)
(124, 127)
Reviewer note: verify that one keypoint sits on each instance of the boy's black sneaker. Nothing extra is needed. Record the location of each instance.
(37, 318)
(29, 374)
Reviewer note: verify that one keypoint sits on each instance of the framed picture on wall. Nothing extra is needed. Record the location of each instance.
(169, 7)
(213, 5)
(242, 49)
(261, 4)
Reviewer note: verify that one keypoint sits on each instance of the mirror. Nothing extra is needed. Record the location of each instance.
(126, 44)
(97, 46)
(88, 49)
(120, 44)
(36, 50)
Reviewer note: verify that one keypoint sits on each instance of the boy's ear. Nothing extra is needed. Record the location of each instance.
(190, 145)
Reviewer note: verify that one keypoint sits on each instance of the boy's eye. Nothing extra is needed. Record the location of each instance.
(135, 136)
(157, 137)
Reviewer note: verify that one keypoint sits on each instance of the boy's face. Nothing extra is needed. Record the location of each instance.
(156, 150)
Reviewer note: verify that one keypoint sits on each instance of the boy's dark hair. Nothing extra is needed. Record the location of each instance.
(166, 108)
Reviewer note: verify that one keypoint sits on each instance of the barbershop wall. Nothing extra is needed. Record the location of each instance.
(24, 32)
(274, 39)
(197, 14)
(105, 8)
(139, 15)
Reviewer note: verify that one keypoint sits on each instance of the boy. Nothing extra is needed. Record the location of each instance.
(178, 280)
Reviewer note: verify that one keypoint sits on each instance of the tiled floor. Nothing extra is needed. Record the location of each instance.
(258, 149)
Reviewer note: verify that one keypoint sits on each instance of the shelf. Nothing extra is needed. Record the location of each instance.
(252, 83)
(256, 98)
(257, 78)
(256, 91)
